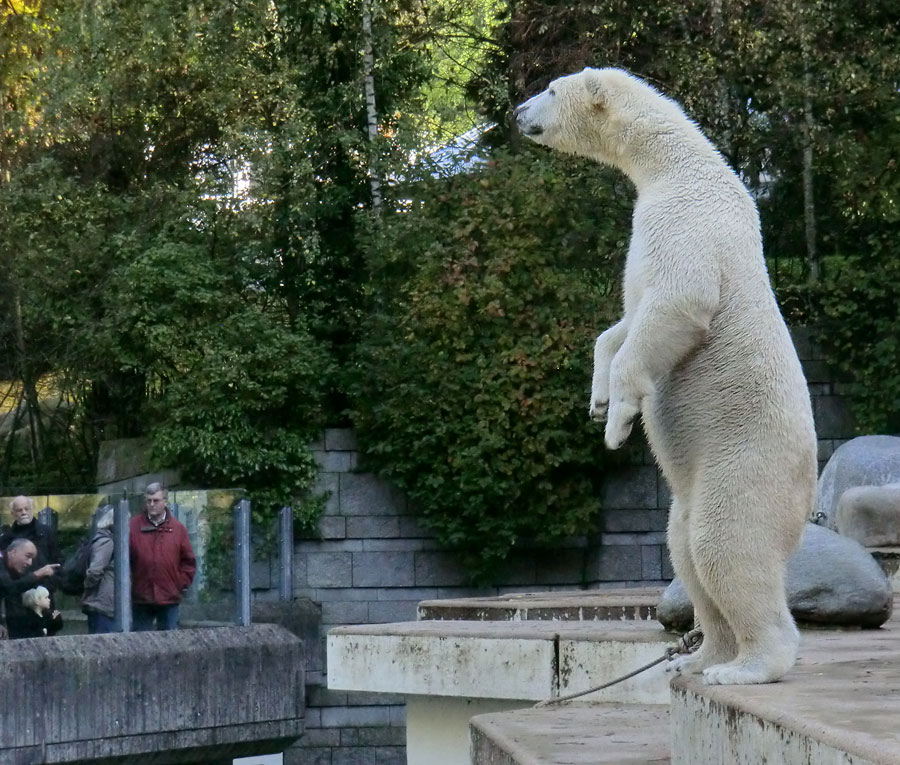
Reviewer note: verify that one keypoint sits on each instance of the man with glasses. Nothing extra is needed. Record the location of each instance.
(162, 563)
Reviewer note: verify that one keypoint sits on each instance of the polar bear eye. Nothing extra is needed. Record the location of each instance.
(552, 92)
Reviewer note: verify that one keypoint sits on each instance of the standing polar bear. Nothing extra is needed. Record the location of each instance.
(703, 354)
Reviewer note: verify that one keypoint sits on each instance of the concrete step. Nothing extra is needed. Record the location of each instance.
(619, 604)
(578, 734)
(526, 661)
(452, 670)
(839, 704)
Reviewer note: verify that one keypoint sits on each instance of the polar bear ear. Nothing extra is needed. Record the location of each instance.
(598, 96)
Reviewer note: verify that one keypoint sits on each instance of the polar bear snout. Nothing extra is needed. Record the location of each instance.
(525, 126)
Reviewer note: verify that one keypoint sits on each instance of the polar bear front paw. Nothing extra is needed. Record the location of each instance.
(619, 422)
(598, 410)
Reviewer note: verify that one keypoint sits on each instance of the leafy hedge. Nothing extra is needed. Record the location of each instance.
(472, 382)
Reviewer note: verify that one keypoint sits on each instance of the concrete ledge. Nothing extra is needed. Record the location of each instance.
(626, 603)
(499, 660)
(151, 697)
(596, 734)
(838, 705)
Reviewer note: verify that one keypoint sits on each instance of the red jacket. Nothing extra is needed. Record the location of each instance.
(162, 560)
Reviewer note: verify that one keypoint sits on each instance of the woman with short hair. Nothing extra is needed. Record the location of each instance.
(98, 601)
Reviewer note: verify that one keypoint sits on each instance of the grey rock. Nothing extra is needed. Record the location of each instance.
(831, 580)
(675, 610)
(862, 461)
(870, 515)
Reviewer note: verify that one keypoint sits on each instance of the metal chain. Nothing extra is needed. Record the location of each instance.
(687, 643)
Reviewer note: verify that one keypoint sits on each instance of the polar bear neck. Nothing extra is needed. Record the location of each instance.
(648, 136)
(651, 151)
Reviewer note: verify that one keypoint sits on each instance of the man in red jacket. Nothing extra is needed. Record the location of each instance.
(162, 563)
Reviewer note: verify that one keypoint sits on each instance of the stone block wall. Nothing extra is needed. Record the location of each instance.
(374, 563)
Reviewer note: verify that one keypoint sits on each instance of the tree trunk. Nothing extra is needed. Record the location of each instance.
(371, 113)
(29, 384)
(809, 208)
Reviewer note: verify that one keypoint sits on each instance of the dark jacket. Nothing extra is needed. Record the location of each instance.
(43, 537)
(32, 625)
(162, 560)
(11, 589)
(99, 580)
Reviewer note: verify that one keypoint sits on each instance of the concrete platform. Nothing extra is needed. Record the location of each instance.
(840, 704)
(620, 604)
(450, 671)
(525, 661)
(595, 734)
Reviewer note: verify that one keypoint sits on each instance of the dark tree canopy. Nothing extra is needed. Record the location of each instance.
(188, 250)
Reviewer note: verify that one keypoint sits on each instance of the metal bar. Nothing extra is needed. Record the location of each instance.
(175, 510)
(242, 562)
(49, 518)
(190, 523)
(286, 558)
(122, 567)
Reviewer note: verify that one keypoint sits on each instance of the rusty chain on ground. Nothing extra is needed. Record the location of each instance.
(687, 643)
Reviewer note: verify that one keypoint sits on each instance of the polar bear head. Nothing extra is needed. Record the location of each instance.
(606, 114)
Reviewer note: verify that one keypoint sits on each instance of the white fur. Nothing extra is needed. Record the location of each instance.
(703, 354)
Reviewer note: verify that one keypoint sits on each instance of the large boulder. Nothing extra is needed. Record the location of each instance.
(863, 461)
(831, 580)
(870, 515)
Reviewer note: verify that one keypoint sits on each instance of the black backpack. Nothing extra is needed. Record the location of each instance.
(71, 573)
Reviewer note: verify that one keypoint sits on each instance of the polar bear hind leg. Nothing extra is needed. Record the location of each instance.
(719, 644)
(750, 597)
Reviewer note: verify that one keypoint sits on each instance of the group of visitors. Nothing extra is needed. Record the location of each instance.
(162, 568)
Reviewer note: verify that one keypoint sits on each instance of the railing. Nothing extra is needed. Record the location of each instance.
(243, 554)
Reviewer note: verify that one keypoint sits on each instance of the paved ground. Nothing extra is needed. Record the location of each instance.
(575, 735)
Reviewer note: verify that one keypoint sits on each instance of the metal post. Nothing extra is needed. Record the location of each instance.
(190, 523)
(242, 562)
(122, 567)
(48, 517)
(175, 510)
(286, 543)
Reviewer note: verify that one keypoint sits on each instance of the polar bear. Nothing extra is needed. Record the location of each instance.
(703, 354)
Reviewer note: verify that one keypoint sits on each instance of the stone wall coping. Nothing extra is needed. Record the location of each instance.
(615, 631)
(128, 696)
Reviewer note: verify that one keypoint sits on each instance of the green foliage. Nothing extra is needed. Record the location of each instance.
(156, 295)
(474, 375)
(803, 101)
(860, 290)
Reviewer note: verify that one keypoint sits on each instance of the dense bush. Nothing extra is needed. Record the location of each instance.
(235, 390)
(473, 379)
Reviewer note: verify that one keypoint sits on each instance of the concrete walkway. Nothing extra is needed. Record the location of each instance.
(582, 734)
